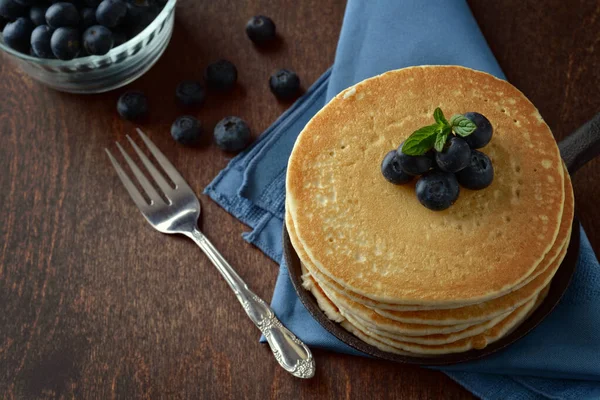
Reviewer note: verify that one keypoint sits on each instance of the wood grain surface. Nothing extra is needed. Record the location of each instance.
(95, 304)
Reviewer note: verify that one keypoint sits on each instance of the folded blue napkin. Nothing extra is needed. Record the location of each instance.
(558, 360)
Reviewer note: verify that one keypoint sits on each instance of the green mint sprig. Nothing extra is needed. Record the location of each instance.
(435, 136)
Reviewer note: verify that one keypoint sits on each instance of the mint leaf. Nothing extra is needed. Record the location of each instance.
(421, 140)
(462, 125)
(438, 115)
(441, 138)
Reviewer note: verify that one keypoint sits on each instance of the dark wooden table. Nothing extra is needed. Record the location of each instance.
(95, 304)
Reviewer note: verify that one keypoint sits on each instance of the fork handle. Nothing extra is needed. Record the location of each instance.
(293, 355)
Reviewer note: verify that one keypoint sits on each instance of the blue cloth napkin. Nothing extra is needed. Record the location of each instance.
(558, 360)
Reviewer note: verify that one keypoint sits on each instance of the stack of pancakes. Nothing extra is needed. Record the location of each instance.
(407, 279)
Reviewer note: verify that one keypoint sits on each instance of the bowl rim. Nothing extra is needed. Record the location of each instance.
(167, 9)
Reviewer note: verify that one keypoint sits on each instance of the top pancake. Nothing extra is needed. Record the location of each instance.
(376, 239)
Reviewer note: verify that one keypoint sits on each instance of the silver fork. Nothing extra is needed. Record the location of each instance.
(180, 215)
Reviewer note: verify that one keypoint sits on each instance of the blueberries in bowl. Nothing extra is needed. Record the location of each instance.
(12, 10)
(261, 30)
(232, 134)
(40, 41)
(221, 75)
(17, 34)
(65, 43)
(61, 15)
(124, 19)
(437, 190)
(37, 15)
(285, 84)
(97, 40)
(110, 13)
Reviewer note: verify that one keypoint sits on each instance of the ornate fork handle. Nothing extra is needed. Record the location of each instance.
(293, 355)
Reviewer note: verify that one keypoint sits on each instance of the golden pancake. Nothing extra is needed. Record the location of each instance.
(376, 240)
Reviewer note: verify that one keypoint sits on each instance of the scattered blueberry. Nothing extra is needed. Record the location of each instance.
(186, 130)
(284, 84)
(65, 43)
(391, 170)
(479, 174)
(88, 17)
(111, 13)
(61, 15)
(40, 41)
(456, 155)
(26, 3)
(37, 15)
(261, 29)
(190, 93)
(483, 134)
(437, 190)
(132, 105)
(221, 75)
(97, 40)
(232, 134)
(12, 10)
(17, 34)
(414, 165)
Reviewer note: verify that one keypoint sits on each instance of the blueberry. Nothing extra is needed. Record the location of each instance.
(37, 15)
(232, 134)
(414, 165)
(479, 174)
(284, 84)
(132, 105)
(65, 43)
(190, 93)
(27, 3)
(261, 29)
(111, 13)
(437, 190)
(62, 14)
(88, 17)
(97, 40)
(139, 17)
(11, 10)
(17, 34)
(456, 155)
(186, 130)
(391, 170)
(40, 41)
(483, 134)
(221, 75)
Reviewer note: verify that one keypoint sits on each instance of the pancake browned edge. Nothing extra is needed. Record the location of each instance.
(376, 240)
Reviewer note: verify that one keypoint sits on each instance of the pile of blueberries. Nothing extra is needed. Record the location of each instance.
(441, 173)
(67, 29)
(231, 134)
